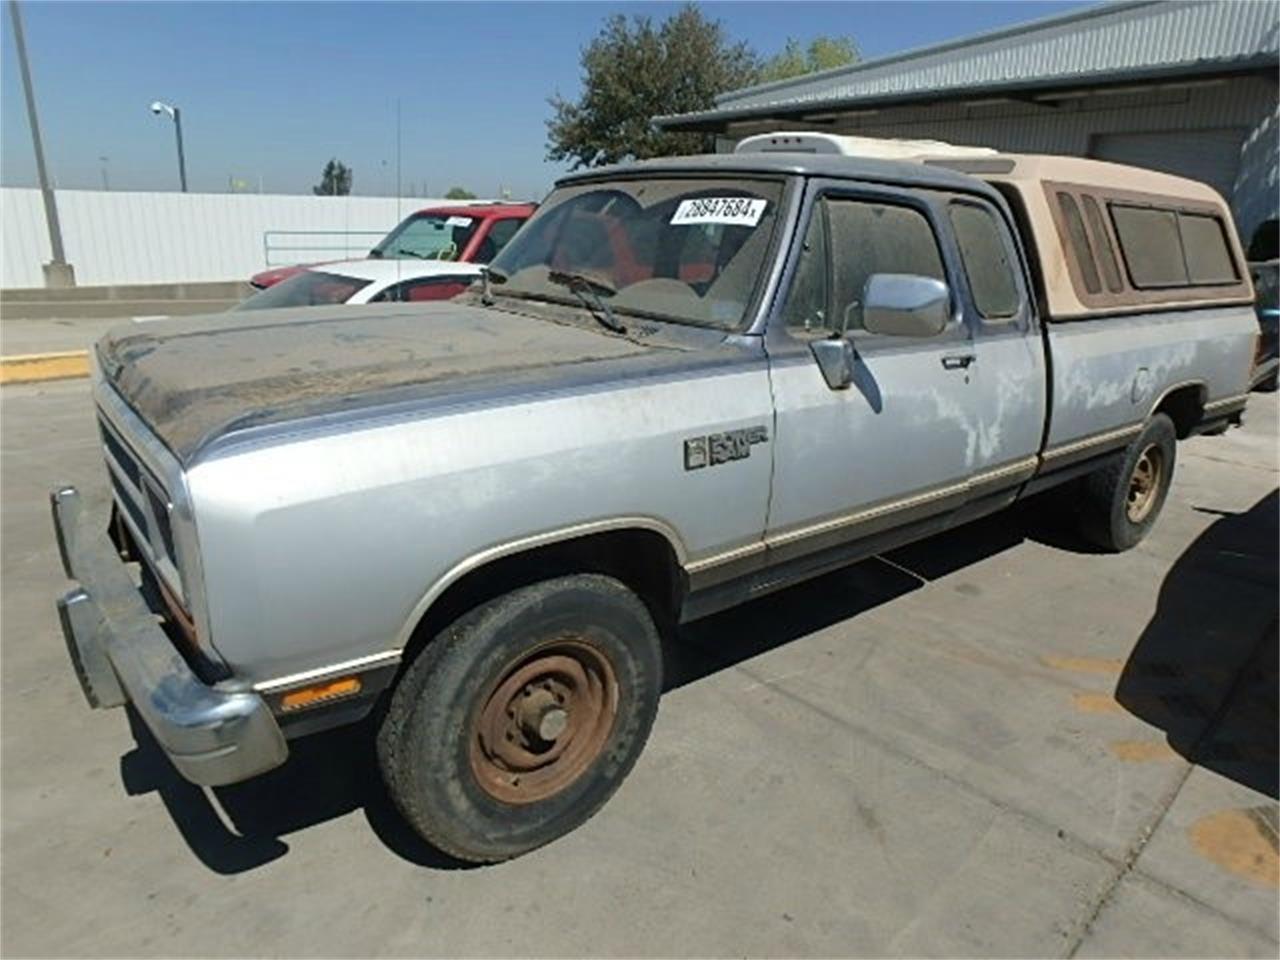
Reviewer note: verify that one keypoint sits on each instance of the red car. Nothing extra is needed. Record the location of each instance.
(469, 233)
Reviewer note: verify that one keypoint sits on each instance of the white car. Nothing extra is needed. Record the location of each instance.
(367, 281)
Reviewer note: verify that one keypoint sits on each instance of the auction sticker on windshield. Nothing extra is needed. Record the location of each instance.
(738, 211)
(458, 222)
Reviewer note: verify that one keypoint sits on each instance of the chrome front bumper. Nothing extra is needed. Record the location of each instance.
(213, 736)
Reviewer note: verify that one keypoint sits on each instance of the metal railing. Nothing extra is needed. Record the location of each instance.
(284, 248)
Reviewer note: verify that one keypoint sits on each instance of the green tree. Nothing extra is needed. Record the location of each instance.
(635, 70)
(459, 193)
(335, 181)
(823, 53)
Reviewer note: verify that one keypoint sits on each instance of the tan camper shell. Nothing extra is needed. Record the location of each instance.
(1105, 237)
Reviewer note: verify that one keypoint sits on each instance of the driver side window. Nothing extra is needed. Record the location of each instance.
(869, 238)
(805, 309)
(864, 238)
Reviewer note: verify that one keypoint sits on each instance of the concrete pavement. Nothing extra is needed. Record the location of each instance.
(24, 337)
(992, 743)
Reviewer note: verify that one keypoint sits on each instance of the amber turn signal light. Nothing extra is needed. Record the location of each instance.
(309, 696)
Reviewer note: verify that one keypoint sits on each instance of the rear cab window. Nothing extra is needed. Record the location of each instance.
(986, 256)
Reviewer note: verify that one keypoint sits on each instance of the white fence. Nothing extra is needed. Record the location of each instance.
(116, 237)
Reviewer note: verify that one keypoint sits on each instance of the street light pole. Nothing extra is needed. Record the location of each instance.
(57, 273)
(182, 162)
(158, 107)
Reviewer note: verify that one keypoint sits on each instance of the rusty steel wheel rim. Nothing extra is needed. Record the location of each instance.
(544, 722)
(1144, 483)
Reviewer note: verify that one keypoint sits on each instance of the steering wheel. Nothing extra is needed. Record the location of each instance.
(659, 287)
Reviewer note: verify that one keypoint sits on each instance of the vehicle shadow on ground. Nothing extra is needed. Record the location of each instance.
(741, 633)
(330, 775)
(1205, 668)
(239, 828)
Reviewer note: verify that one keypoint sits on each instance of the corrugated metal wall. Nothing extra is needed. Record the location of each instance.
(1106, 38)
(115, 237)
(1210, 156)
(1069, 128)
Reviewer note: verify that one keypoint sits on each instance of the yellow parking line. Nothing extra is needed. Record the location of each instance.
(1103, 665)
(1142, 751)
(34, 367)
(1241, 841)
(1096, 703)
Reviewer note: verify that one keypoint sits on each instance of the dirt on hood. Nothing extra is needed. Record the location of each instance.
(194, 378)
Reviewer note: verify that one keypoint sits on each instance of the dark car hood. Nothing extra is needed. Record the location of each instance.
(194, 378)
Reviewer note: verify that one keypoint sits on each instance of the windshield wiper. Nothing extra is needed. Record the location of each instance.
(588, 290)
(411, 253)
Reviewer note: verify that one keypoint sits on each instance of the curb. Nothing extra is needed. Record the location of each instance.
(36, 367)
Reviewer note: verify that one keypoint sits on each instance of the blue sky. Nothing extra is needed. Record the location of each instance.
(272, 90)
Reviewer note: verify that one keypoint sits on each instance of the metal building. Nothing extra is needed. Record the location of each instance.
(1184, 87)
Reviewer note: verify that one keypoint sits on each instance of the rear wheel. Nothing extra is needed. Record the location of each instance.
(517, 723)
(1121, 501)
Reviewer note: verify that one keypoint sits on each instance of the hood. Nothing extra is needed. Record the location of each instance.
(269, 278)
(194, 378)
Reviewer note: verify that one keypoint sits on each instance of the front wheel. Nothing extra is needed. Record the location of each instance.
(517, 723)
(1121, 501)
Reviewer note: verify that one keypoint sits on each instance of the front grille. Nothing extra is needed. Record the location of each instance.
(160, 510)
(124, 497)
(146, 535)
(123, 458)
(142, 499)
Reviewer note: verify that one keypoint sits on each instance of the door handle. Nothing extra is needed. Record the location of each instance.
(958, 361)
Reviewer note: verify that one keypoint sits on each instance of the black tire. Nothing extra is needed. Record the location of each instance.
(1108, 516)
(1267, 384)
(437, 764)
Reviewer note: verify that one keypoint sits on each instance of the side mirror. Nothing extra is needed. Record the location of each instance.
(905, 305)
(835, 360)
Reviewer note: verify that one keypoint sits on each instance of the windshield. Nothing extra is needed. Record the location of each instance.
(310, 288)
(427, 236)
(683, 249)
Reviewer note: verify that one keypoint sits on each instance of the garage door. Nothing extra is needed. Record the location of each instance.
(1211, 156)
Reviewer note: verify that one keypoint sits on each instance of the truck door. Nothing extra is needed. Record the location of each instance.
(1007, 377)
(888, 455)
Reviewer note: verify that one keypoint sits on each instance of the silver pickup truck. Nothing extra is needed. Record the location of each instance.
(683, 384)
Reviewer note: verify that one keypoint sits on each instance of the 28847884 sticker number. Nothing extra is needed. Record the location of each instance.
(736, 211)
